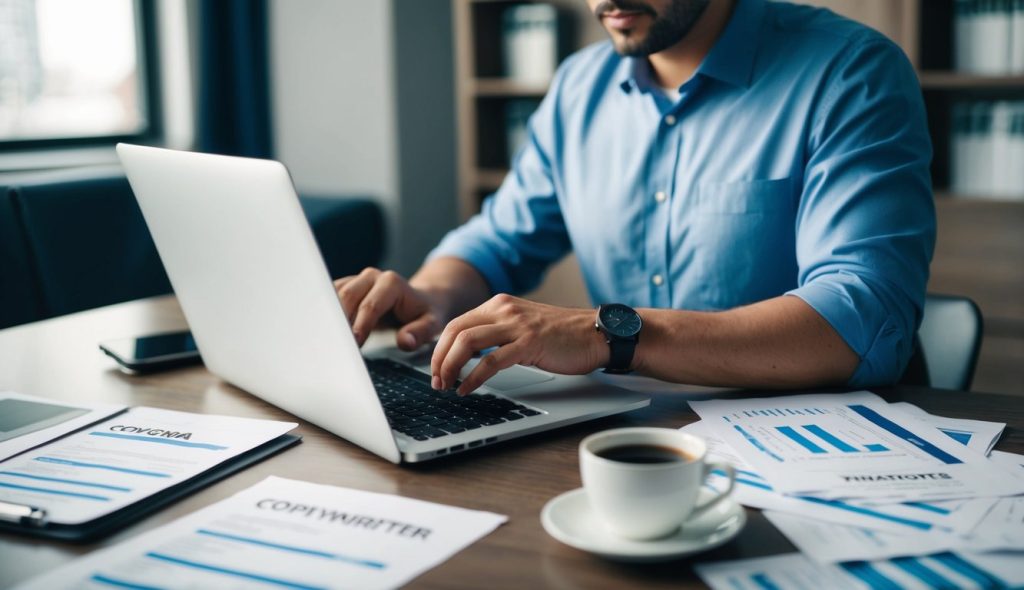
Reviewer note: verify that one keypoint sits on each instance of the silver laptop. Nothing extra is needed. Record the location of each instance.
(265, 316)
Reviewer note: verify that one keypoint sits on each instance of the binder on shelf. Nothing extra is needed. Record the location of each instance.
(517, 119)
(988, 36)
(530, 36)
(1017, 38)
(987, 148)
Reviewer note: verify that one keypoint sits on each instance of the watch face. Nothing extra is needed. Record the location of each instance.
(620, 320)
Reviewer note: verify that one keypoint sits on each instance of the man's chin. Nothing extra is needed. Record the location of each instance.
(629, 46)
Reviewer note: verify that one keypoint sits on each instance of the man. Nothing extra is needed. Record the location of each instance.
(751, 177)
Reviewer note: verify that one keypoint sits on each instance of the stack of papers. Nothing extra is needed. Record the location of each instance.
(286, 534)
(865, 488)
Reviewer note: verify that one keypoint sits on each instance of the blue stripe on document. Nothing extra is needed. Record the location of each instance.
(969, 570)
(928, 507)
(166, 441)
(958, 435)
(120, 583)
(830, 438)
(54, 492)
(100, 466)
(73, 482)
(868, 512)
(757, 444)
(894, 428)
(869, 575)
(763, 582)
(922, 572)
(875, 448)
(354, 560)
(800, 439)
(231, 572)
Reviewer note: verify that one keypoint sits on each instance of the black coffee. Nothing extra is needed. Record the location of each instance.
(644, 454)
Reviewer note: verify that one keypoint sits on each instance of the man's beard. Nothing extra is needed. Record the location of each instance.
(665, 30)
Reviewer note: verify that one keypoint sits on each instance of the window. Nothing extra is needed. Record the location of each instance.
(74, 72)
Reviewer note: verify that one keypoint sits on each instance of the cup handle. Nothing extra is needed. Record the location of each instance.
(730, 473)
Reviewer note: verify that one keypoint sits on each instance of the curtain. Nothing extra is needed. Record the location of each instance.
(233, 91)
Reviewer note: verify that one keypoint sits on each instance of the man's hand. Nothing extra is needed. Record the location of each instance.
(556, 339)
(373, 295)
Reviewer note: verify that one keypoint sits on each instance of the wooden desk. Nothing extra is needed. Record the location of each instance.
(59, 359)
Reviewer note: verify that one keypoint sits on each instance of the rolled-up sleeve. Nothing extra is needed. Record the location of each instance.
(520, 230)
(865, 224)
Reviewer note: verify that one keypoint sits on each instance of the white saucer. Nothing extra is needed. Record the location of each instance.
(569, 519)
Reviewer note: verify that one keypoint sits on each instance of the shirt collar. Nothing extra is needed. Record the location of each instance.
(730, 60)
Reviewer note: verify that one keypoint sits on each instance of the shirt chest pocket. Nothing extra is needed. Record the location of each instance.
(754, 196)
(743, 234)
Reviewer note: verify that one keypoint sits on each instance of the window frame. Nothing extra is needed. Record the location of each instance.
(148, 62)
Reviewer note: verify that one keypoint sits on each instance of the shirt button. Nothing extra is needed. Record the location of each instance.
(660, 196)
(657, 280)
(670, 120)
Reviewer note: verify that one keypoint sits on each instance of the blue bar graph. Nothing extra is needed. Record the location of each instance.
(830, 438)
(966, 568)
(869, 575)
(800, 439)
(930, 577)
(959, 436)
(905, 434)
(763, 582)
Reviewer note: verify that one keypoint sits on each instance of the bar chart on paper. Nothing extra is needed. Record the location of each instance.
(848, 446)
(812, 434)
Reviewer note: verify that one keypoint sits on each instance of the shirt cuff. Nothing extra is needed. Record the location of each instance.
(855, 312)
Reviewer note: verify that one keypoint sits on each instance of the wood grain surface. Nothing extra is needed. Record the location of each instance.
(59, 359)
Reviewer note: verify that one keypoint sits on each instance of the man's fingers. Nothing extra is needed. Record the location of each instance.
(465, 321)
(417, 332)
(464, 345)
(379, 300)
(352, 291)
(502, 358)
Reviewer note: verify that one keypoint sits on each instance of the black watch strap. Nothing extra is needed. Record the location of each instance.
(620, 355)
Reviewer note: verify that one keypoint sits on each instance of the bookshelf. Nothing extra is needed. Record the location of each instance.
(980, 243)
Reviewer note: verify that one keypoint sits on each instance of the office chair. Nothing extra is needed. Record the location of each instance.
(949, 340)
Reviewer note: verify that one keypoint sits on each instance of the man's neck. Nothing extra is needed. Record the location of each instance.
(677, 64)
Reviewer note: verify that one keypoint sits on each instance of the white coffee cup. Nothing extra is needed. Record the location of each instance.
(643, 501)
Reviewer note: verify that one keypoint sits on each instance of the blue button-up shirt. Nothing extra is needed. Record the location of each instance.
(795, 161)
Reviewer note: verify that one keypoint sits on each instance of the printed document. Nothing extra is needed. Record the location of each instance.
(794, 571)
(122, 460)
(27, 421)
(851, 445)
(973, 434)
(960, 516)
(831, 543)
(286, 534)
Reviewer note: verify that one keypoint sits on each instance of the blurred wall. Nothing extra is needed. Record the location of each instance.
(362, 100)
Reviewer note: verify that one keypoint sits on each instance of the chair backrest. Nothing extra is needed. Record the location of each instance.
(950, 338)
(88, 240)
(19, 286)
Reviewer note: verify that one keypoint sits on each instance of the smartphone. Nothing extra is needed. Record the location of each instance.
(154, 352)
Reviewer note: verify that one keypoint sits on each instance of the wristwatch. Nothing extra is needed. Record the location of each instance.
(620, 325)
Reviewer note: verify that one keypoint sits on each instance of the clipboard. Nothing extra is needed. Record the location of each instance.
(30, 521)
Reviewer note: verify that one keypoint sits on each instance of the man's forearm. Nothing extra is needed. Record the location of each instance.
(452, 285)
(780, 342)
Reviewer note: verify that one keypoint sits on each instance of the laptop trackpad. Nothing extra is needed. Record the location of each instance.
(511, 378)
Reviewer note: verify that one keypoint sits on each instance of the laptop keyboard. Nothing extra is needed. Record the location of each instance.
(415, 409)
